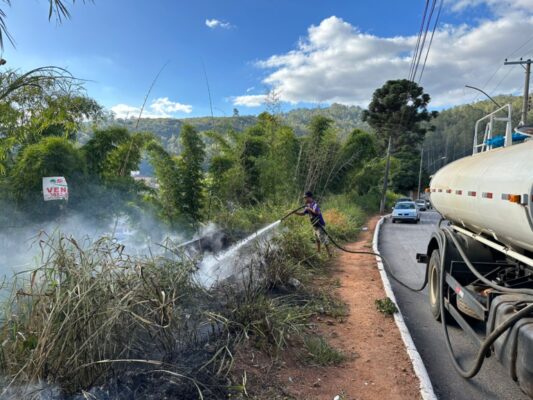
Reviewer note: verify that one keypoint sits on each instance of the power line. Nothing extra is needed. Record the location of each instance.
(501, 65)
(501, 81)
(434, 3)
(431, 41)
(415, 53)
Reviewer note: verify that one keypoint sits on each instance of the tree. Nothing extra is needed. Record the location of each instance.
(102, 143)
(46, 101)
(191, 173)
(168, 195)
(52, 156)
(399, 110)
(316, 151)
(398, 113)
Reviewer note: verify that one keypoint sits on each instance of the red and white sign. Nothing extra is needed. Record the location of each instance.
(55, 188)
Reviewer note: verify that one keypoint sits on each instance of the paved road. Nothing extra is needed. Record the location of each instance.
(399, 243)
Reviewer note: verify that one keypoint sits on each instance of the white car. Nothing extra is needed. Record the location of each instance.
(405, 211)
(421, 204)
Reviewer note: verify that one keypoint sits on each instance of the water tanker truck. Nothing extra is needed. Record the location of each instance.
(480, 259)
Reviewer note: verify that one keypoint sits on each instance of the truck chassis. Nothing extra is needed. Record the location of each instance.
(474, 279)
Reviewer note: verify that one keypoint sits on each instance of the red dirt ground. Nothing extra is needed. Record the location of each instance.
(378, 366)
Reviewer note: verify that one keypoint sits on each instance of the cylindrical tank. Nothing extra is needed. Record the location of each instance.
(490, 193)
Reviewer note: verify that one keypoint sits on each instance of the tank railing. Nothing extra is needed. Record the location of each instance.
(483, 146)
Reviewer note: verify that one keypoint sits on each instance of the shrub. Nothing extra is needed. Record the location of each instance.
(386, 306)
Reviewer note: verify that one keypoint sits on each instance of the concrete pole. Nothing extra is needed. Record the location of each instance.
(385, 179)
(420, 172)
(527, 67)
(526, 94)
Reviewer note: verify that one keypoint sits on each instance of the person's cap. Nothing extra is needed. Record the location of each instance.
(308, 194)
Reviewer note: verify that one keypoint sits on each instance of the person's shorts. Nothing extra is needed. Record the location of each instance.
(320, 235)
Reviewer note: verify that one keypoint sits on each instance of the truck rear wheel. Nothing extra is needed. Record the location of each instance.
(434, 270)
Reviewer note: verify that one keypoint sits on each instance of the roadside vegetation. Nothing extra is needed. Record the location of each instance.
(91, 319)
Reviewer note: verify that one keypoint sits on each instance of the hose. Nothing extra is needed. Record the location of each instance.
(494, 335)
(491, 338)
(383, 259)
(473, 269)
(292, 212)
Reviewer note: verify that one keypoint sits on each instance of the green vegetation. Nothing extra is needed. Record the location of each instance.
(398, 113)
(91, 312)
(454, 130)
(386, 306)
(320, 352)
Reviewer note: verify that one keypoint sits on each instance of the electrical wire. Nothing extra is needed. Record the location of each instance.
(434, 4)
(431, 41)
(501, 65)
(415, 53)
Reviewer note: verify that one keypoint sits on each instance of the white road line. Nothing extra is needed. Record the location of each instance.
(426, 388)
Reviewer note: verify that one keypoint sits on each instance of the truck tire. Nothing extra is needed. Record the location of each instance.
(434, 270)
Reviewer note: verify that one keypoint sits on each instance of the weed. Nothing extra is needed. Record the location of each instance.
(386, 306)
(325, 304)
(319, 352)
(90, 310)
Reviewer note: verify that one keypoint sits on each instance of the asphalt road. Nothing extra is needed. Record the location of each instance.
(399, 243)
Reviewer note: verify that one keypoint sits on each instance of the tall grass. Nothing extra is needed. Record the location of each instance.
(91, 310)
(92, 316)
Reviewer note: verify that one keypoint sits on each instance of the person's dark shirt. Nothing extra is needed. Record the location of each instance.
(316, 218)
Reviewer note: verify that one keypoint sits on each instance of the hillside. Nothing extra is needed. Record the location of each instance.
(454, 130)
(345, 118)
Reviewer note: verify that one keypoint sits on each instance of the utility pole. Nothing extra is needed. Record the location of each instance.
(525, 102)
(386, 179)
(420, 171)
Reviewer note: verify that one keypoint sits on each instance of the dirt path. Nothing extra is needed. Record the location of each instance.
(379, 367)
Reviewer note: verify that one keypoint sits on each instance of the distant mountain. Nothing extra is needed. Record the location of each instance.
(345, 118)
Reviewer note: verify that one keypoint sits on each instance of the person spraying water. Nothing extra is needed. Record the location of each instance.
(317, 221)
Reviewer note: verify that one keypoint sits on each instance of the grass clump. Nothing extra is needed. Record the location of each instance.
(320, 352)
(386, 306)
(91, 312)
(269, 323)
(324, 303)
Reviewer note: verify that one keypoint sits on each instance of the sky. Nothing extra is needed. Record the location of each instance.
(309, 52)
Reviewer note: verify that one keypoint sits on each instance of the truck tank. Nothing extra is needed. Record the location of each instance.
(490, 193)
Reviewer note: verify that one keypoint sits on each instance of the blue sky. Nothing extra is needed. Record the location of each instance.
(310, 52)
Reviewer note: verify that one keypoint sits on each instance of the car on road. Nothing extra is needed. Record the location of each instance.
(421, 204)
(403, 199)
(405, 211)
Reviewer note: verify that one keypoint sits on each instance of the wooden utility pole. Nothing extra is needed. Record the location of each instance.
(527, 63)
(385, 179)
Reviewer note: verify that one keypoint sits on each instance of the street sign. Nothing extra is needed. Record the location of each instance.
(55, 188)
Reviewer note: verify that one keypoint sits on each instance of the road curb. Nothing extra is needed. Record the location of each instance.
(426, 388)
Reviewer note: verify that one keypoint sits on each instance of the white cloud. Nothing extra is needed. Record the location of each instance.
(499, 6)
(158, 108)
(217, 23)
(336, 62)
(163, 105)
(250, 100)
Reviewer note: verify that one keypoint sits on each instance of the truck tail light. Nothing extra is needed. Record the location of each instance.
(514, 198)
